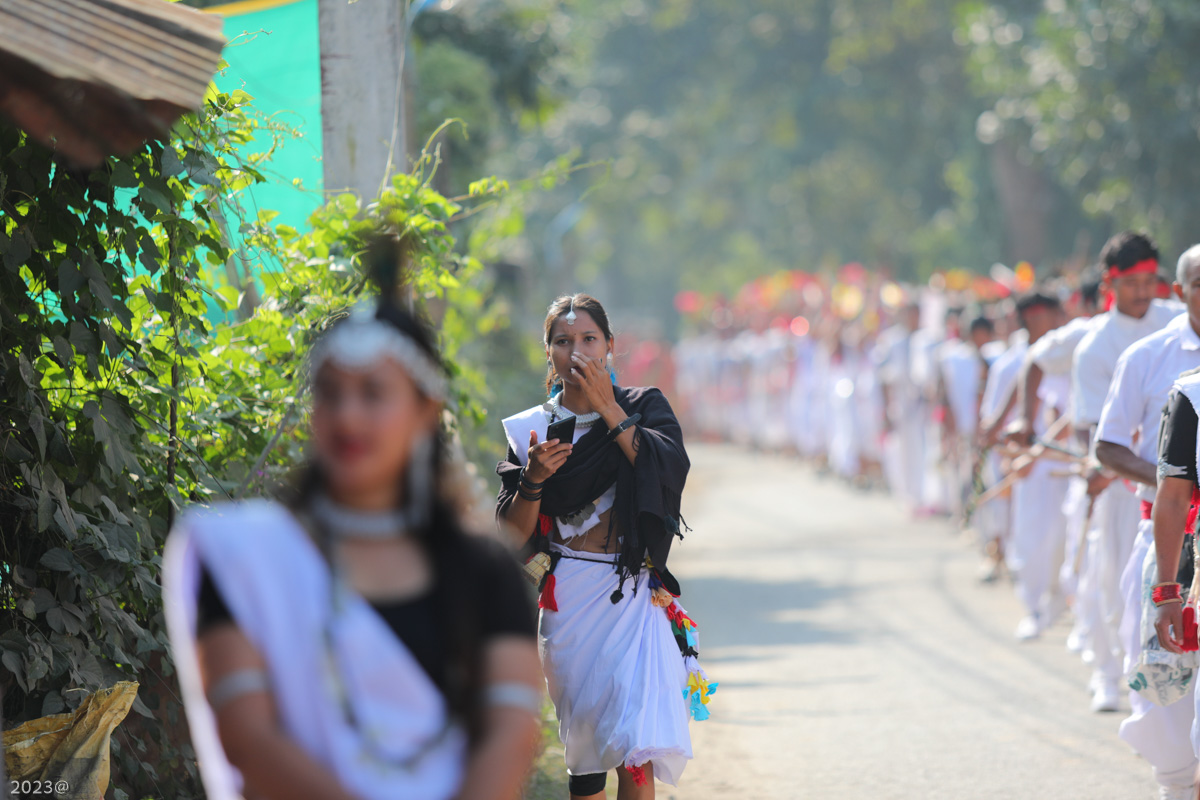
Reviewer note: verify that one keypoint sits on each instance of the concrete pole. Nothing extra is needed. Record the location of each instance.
(362, 104)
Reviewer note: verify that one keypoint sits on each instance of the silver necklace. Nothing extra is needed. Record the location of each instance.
(345, 522)
(555, 410)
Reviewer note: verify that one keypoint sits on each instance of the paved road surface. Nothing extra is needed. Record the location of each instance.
(859, 658)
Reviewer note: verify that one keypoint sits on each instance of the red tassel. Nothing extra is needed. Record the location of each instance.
(638, 774)
(1190, 643)
(544, 524)
(1195, 507)
(546, 599)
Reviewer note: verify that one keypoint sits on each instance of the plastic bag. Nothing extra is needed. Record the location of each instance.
(70, 752)
(1159, 676)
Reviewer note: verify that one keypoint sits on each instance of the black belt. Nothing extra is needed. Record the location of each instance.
(580, 558)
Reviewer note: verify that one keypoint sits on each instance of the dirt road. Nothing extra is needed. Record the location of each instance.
(859, 657)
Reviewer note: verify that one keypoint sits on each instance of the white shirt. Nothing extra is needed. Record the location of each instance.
(892, 356)
(962, 369)
(993, 350)
(1096, 357)
(1001, 377)
(923, 365)
(1055, 351)
(1141, 382)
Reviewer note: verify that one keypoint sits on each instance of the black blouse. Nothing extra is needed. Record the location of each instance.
(504, 605)
(1177, 439)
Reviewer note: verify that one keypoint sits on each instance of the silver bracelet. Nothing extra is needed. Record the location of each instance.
(515, 695)
(236, 684)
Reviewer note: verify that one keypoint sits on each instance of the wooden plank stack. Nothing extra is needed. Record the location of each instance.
(93, 78)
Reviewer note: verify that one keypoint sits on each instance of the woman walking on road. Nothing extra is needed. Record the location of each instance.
(356, 643)
(598, 510)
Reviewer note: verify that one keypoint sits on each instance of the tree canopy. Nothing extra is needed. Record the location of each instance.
(738, 139)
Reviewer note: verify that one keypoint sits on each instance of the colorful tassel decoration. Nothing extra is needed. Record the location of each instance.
(638, 774)
(699, 690)
(546, 599)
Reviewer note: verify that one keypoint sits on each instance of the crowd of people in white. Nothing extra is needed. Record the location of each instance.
(1031, 419)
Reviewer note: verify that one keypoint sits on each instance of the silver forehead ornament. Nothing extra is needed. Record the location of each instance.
(570, 318)
(362, 341)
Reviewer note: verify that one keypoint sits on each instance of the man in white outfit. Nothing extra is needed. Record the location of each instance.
(1038, 523)
(904, 408)
(1127, 443)
(961, 372)
(1130, 263)
(994, 518)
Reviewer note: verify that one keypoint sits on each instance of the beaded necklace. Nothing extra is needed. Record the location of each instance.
(555, 410)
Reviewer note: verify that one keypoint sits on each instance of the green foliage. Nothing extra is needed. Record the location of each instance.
(135, 379)
(486, 68)
(104, 301)
(745, 138)
(748, 138)
(1102, 93)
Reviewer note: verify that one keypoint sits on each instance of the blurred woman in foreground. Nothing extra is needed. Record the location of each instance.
(356, 642)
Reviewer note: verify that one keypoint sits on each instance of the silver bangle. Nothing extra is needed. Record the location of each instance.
(515, 695)
(236, 684)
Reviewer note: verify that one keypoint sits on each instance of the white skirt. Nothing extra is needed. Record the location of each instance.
(614, 672)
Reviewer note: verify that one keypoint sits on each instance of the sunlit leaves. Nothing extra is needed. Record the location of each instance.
(1103, 93)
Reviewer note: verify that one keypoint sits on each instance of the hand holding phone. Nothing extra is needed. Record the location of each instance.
(544, 458)
(563, 430)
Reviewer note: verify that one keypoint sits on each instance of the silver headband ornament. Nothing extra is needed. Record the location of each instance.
(570, 318)
(362, 341)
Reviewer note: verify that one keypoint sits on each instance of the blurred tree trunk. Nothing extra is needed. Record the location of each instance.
(1026, 197)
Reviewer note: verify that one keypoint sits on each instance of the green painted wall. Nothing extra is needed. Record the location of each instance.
(275, 56)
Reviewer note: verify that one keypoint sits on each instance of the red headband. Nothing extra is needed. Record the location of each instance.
(1147, 265)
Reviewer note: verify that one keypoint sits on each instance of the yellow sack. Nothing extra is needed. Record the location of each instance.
(70, 750)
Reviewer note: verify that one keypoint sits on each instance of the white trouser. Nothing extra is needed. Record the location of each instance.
(1117, 515)
(1039, 534)
(904, 456)
(1074, 567)
(1159, 734)
(993, 517)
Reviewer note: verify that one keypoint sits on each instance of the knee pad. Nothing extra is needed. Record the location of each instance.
(587, 785)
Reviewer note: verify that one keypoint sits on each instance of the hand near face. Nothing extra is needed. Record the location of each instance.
(593, 378)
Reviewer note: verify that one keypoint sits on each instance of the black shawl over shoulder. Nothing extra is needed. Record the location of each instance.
(646, 509)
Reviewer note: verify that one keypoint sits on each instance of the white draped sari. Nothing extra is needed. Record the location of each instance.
(614, 671)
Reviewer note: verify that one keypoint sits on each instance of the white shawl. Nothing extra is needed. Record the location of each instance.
(277, 587)
(516, 429)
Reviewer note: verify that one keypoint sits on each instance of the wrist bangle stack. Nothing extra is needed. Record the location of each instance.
(530, 490)
(1166, 593)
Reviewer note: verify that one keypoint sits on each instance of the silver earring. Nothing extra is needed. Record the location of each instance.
(420, 481)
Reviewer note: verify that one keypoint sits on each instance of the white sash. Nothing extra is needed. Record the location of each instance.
(277, 587)
(517, 428)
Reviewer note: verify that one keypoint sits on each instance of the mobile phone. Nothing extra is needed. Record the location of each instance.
(563, 430)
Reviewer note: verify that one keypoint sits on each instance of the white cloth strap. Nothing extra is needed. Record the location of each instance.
(517, 428)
